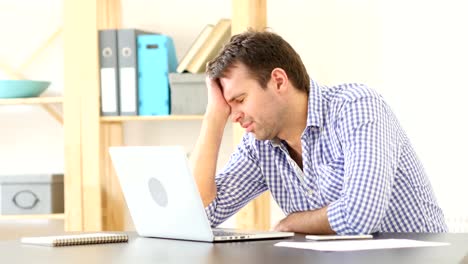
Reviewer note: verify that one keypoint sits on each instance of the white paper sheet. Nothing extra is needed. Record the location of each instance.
(354, 245)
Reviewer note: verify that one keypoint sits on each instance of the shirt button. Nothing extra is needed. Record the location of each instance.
(310, 192)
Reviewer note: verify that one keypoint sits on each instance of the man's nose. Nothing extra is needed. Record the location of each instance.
(236, 117)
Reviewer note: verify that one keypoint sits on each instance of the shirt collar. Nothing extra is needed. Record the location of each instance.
(315, 106)
(276, 142)
(314, 110)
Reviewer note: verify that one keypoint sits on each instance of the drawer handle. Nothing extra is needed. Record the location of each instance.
(27, 192)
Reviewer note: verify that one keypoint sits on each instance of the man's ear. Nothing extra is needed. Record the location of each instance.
(280, 79)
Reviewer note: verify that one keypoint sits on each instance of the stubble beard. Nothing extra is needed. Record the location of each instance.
(263, 132)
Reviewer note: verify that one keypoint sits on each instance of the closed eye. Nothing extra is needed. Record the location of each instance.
(238, 98)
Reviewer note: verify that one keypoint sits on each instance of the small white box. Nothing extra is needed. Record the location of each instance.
(31, 194)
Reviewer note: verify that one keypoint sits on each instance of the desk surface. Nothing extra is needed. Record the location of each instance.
(150, 250)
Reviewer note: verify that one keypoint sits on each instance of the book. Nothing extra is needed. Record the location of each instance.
(218, 37)
(196, 45)
(76, 239)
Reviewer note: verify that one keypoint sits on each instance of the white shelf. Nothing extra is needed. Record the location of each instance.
(150, 118)
(37, 216)
(32, 100)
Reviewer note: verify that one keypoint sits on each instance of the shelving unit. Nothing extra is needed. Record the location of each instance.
(88, 135)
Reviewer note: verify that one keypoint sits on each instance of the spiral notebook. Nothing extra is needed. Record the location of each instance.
(76, 239)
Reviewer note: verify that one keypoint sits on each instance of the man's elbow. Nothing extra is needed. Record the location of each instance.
(208, 199)
(361, 230)
(361, 226)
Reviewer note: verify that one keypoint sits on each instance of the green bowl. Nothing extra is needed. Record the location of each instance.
(22, 88)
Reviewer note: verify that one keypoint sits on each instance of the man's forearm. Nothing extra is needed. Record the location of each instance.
(308, 222)
(205, 156)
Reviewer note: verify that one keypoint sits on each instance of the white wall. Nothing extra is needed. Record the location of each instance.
(30, 140)
(413, 52)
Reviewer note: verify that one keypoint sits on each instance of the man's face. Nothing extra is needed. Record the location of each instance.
(256, 109)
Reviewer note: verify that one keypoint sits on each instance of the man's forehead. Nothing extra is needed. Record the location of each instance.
(235, 80)
(228, 87)
(236, 73)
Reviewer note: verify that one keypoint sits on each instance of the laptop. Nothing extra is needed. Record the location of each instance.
(163, 198)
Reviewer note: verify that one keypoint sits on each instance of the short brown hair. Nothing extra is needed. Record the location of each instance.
(260, 52)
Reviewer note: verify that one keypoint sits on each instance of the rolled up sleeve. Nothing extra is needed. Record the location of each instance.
(368, 137)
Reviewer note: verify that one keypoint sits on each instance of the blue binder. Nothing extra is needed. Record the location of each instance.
(156, 59)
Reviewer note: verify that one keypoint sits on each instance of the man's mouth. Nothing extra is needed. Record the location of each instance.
(245, 125)
(248, 126)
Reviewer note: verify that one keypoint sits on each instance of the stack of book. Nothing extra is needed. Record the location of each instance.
(134, 72)
(205, 47)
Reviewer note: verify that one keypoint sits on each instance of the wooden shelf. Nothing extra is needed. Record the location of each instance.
(32, 100)
(38, 216)
(150, 118)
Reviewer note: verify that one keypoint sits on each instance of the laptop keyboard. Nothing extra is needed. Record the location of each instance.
(228, 233)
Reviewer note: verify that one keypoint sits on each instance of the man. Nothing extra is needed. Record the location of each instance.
(334, 158)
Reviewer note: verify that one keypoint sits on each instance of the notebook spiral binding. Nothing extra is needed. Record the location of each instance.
(101, 239)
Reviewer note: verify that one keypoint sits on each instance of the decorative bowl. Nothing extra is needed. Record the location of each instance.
(22, 88)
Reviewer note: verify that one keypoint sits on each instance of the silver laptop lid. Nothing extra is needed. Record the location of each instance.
(160, 192)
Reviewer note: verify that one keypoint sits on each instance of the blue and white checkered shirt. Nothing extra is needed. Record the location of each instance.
(357, 160)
